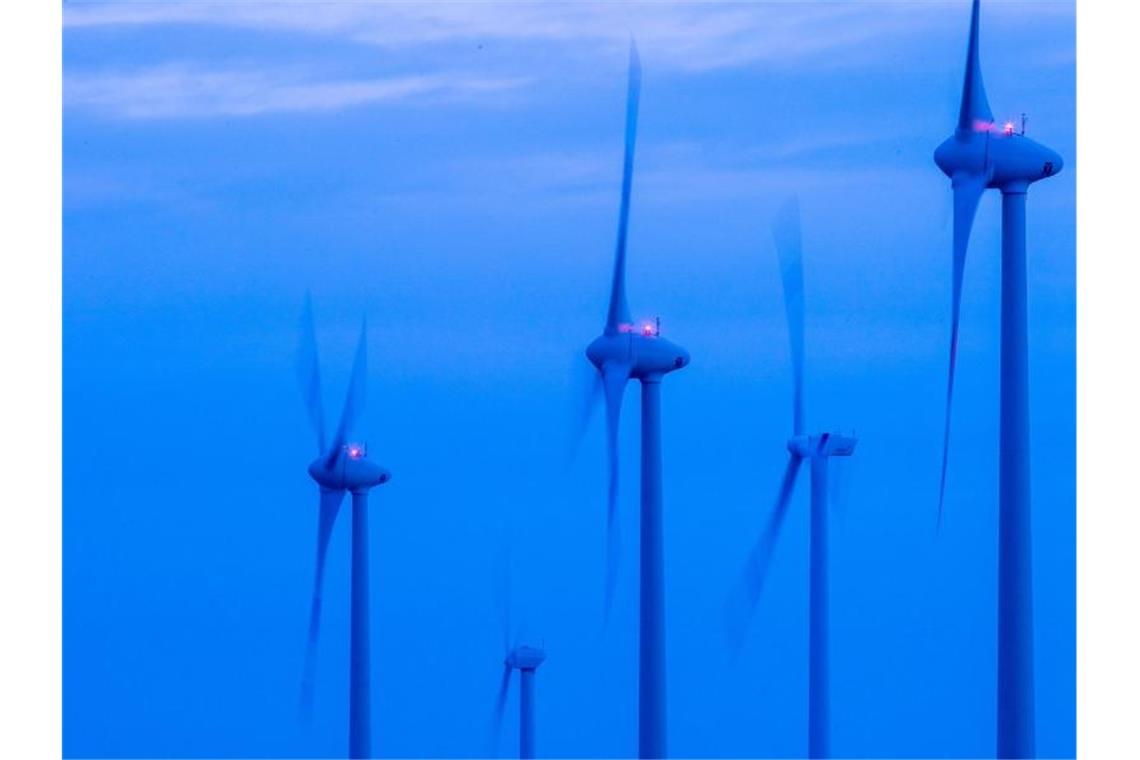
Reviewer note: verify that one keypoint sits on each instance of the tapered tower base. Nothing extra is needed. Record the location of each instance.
(651, 675)
(360, 669)
(1015, 702)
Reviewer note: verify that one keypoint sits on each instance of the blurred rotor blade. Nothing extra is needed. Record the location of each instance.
(618, 313)
(587, 394)
(500, 708)
(742, 604)
(968, 189)
(309, 373)
(975, 114)
(789, 248)
(326, 519)
(354, 398)
(614, 378)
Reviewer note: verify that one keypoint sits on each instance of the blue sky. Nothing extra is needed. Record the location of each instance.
(452, 170)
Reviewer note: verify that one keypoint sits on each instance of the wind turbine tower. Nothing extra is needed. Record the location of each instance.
(342, 467)
(979, 156)
(526, 659)
(623, 352)
(817, 449)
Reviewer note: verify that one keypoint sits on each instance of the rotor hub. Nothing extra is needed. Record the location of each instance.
(646, 353)
(351, 470)
(525, 657)
(822, 445)
(1009, 159)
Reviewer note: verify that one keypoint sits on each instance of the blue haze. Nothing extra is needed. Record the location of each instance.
(473, 221)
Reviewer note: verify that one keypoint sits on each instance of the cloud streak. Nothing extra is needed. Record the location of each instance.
(685, 36)
(184, 91)
(572, 36)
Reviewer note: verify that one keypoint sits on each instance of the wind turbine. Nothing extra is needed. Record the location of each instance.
(818, 450)
(625, 352)
(524, 658)
(976, 157)
(341, 466)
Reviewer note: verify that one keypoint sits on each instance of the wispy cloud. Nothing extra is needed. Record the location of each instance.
(182, 91)
(677, 37)
(687, 36)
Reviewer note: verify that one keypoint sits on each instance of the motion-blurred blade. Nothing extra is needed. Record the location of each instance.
(618, 313)
(354, 398)
(614, 378)
(329, 508)
(975, 114)
(968, 189)
(309, 374)
(789, 247)
(587, 394)
(500, 708)
(742, 604)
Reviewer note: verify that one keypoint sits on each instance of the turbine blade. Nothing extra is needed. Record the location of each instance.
(588, 393)
(968, 189)
(614, 378)
(742, 604)
(789, 248)
(618, 313)
(309, 373)
(500, 708)
(326, 518)
(975, 114)
(354, 398)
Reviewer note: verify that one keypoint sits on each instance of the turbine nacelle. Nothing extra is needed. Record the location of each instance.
(823, 445)
(525, 657)
(351, 470)
(647, 354)
(1007, 158)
